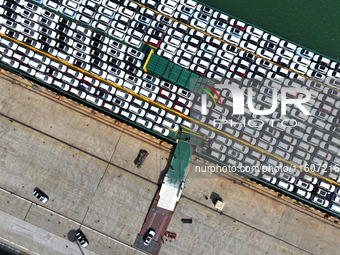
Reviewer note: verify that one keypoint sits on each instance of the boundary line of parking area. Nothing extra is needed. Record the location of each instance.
(306, 77)
(170, 110)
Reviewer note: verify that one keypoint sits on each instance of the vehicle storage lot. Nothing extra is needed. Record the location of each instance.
(100, 53)
(119, 202)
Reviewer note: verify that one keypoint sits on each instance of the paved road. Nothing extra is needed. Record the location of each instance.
(28, 238)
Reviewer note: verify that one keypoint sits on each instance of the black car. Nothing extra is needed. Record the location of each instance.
(140, 27)
(81, 238)
(96, 45)
(270, 46)
(40, 195)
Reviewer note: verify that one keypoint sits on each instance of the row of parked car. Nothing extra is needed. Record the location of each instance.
(212, 58)
(274, 172)
(240, 34)
(306, 186)
(100, 49)
(306, 144)
(164, 94)
(85, 87)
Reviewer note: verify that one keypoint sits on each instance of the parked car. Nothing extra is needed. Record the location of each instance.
(81, 238)
(149, 236)
(41, 196)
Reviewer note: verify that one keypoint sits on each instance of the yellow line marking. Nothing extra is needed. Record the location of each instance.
(197, 207)
(147, 61)
(234, 45)
(76, 246)
(78, 153)
(2, 214)
(285, 248)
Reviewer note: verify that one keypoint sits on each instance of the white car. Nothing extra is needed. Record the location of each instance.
(172, 41)
(320, 201)
(148, 237)
(326, 186)
(133, 41)
(77, 92)
(165, 10)
(144, 123)
(218, 147)
(123, 95)
(181, 109)
(136, 110)
(174, 127)
(218, 155)
(147, 94)
(165, 54)
(131, 87)
(108, 88)
(298, 68)
(285, 53)
(271, 38)
(182, 62)
(284, 185)
(168, 86)
(169, 48)
(151, 79)
(154, 118)
(173, 118)
(185, 93)
(215, 31)
(264, 53)
(43, 77)
(198, 24)
(286, 177)
(141, 103)
(29, 71)
(12, 63)
(161, 130)
(185, 102)
(150, 87)
(61, 85)
(304, 185)
(167, 94)
(287, 45)
(303, 193)
(301, 60)
(248, 46)
(135, 53)
(157, 110)
(94, 100)
(128, 115)
(113, 108)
